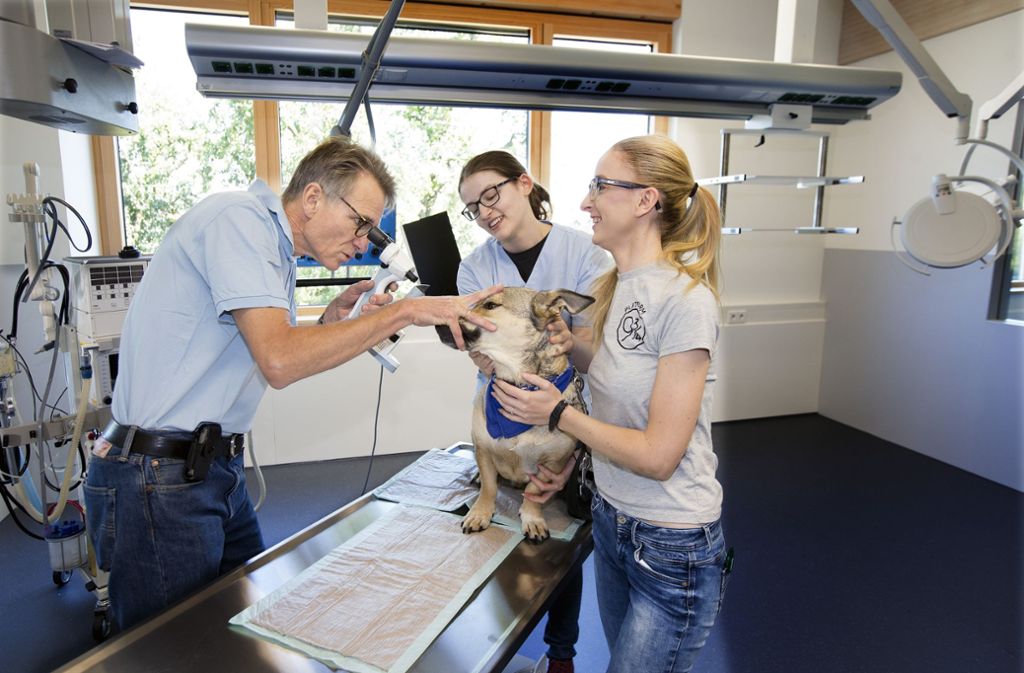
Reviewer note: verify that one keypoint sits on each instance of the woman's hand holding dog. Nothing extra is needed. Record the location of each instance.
(532, 407)
(550, 482)
(559, 336)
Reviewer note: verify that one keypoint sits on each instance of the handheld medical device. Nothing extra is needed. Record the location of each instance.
(395, 266)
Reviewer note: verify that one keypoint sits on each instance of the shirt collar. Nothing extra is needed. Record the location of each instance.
(272, 202)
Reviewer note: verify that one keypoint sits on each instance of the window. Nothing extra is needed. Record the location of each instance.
(188, 146)
(424, 147)
(183, 151)
(578, 139)
(1008, 278)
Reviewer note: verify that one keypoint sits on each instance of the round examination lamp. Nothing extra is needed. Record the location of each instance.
(952, 228)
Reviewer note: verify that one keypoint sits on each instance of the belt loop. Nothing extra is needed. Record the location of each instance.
(707, 534)
(129, 439)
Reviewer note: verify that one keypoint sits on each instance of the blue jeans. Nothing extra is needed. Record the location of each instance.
(563, 627)
(160, 537)
(659, 590)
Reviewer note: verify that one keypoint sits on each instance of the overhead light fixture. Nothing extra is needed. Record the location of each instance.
(288, 64)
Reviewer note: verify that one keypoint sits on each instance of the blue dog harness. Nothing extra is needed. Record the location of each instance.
(500, 427)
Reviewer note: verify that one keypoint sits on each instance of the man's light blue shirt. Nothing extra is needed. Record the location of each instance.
(182, 359)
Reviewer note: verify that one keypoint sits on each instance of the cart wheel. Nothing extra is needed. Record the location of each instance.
(61, 577)
(100, 626)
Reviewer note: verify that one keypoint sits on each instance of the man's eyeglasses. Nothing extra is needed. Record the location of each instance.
(488, 197)
(363, 224)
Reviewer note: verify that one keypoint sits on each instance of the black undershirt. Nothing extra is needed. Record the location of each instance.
(527, 259)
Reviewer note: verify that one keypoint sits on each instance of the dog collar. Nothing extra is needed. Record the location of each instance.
(500, 427)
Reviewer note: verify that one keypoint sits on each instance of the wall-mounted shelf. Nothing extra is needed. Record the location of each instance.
(798, 181)
(817, 182)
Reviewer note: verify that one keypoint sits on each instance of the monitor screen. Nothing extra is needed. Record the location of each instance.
(435, 253)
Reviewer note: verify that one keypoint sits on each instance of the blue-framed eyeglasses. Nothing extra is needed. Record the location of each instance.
(488, 197)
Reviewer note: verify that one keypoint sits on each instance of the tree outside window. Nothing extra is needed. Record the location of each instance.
(187, 146)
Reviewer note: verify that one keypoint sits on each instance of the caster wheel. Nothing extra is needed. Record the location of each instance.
(61, 577)
(100, 627)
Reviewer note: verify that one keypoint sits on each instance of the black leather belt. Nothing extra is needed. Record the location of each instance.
(167, 444)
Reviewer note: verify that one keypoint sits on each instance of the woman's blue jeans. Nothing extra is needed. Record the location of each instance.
(659, 590)
(161, 537)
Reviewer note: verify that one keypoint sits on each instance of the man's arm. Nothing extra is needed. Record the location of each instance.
(285, 353)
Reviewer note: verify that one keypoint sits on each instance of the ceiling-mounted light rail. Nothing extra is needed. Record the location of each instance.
(289, 64)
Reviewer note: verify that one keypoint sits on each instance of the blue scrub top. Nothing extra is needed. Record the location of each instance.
(182, 358)
(569, 260)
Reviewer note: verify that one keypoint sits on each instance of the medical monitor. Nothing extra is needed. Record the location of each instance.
(435, 253)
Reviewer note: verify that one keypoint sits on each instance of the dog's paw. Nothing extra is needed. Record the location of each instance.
(476, 520)
(535, 529)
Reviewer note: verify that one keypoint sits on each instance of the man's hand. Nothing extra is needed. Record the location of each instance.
(342, 305)
(426, 311)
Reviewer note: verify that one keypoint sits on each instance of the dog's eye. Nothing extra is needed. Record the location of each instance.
(490, 305)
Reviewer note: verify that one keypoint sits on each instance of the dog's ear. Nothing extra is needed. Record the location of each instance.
(547, 305)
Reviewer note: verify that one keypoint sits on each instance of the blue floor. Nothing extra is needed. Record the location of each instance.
(852, 555)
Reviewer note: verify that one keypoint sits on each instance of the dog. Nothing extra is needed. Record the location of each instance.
(520, 344)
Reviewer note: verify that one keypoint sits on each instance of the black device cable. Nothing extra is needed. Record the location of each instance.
(52, 211)
(376, 419)
(18, 289)
(81, 477)
(10, 475)
(6, 497)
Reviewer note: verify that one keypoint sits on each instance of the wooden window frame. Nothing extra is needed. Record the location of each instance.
(561, 20)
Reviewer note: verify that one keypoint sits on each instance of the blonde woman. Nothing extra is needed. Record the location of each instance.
(660, 556)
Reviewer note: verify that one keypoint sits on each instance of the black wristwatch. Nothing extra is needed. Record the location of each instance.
(556, 414)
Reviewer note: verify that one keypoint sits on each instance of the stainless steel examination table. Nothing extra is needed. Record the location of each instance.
(194, 635)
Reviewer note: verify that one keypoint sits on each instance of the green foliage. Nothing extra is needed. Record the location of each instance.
(176, 160)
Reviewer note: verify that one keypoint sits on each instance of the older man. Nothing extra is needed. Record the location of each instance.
(212, 323)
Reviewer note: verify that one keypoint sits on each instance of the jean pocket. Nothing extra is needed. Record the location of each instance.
(673, 569)
(99, 517)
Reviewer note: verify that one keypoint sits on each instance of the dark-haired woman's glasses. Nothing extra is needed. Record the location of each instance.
(488, 197)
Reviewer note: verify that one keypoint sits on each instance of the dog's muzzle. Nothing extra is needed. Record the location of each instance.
(470, 334)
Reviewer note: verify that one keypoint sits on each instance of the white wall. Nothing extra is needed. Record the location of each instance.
(426, 403)
(771, 363)
(910, 358)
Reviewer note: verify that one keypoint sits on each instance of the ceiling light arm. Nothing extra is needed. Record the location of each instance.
(371, 61)
(953, 103)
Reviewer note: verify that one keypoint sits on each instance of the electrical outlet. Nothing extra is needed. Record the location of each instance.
(735, 316)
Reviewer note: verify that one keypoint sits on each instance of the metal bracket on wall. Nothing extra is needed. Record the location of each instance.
(818, 181)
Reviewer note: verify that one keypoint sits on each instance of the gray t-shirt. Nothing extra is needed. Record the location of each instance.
(653, 315)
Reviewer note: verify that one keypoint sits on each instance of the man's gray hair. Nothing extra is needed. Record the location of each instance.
(335, 164)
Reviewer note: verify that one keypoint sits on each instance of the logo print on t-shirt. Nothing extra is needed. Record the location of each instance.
(632, 331)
